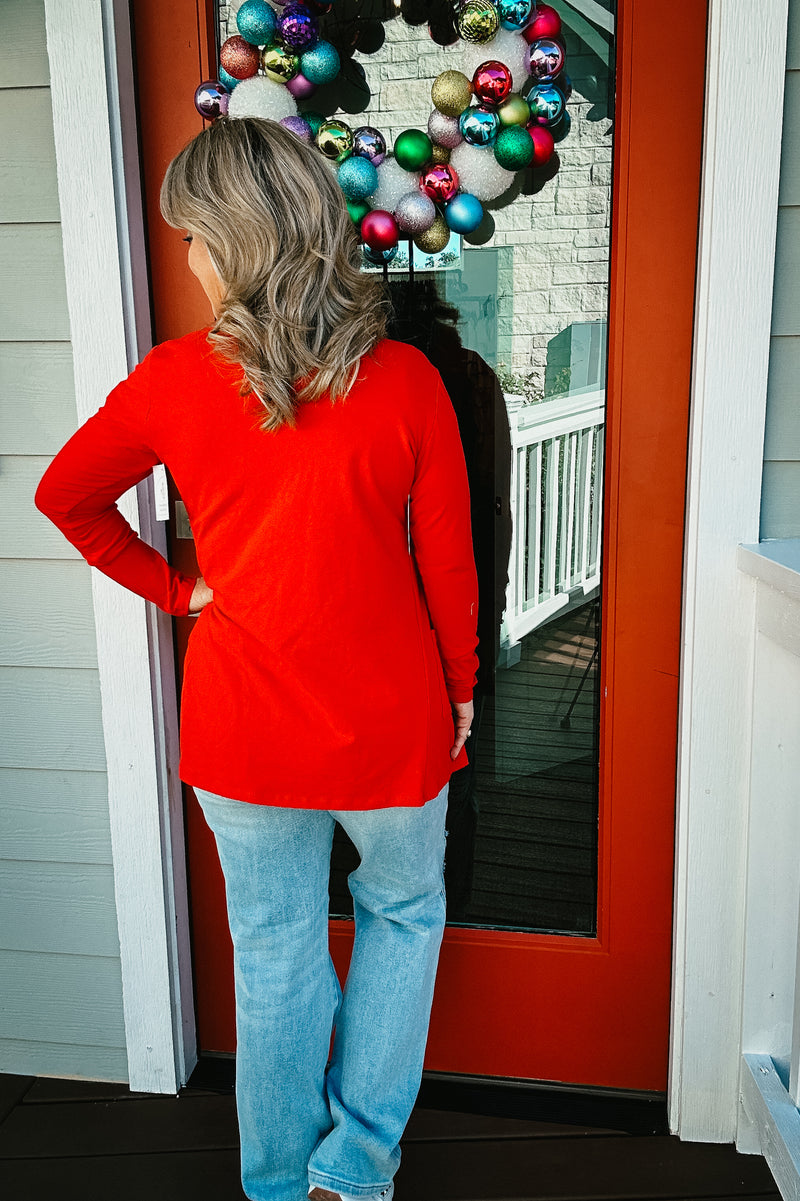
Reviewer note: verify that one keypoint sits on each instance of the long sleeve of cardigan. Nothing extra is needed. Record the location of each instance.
(78, 493)
(441, 538)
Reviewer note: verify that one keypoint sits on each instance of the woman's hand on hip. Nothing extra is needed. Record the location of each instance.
(463, 713)
(201, 596)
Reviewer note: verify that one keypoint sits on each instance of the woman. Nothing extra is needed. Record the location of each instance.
(330, 673)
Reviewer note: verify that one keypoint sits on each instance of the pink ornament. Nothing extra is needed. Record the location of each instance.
(546, 24)
(300, 87)
(543, 144)
(379, 230)
(239, 58)
(440, 182)
(492, 82)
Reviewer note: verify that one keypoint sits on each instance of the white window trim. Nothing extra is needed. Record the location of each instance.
(738, 221)
(100, 222)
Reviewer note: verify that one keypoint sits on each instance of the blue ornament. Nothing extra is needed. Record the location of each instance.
(515, 14)
(479, 125)
(230, 81)
(546, 103)
(369, 143)
(321, 63)
(255, 21)
(464, 213)
(297, 28)
(357, 177)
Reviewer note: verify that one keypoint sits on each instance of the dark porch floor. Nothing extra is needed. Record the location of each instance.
(62, 1139)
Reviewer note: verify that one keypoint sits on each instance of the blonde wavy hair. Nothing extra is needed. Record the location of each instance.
(297, 312)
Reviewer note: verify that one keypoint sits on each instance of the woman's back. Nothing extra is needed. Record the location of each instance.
(314, 678)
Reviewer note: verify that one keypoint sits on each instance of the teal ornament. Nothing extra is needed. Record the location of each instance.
(314, 119)
(546, 103)
(479, 125)
(515, 14)
(321, 63)
(230, 81)
(256, 21)
(379, 258)
(357, 177)
(464, 213)
(513, 148)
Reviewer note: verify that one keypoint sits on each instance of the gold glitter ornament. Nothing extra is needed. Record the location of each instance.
(280, 63)
(335, 139)
(441, 154)
(478, 21)
(451, 93)
(435, 238)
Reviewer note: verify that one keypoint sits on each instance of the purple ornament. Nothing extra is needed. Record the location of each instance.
(370, 143)
(544, 59)
(297, 125)
(297, 27)
(211, 99)
(300, 87)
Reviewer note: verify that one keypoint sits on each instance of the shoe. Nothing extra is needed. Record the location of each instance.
(323, 1194)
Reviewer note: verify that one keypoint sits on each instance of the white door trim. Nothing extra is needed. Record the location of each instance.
(98, 189)
(738, 220)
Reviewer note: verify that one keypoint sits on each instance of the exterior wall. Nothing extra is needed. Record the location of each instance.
(780, 494)
(61, 991)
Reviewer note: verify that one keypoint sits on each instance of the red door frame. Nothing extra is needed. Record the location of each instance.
(529, 1006)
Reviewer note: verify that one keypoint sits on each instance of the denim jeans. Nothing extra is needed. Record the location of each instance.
(305, 1121)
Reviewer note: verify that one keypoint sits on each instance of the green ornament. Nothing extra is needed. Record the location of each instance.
(478, 21)
(513, 148)
(514, 111)
(335, 139)
(280, 63)
(316, 119)
(413, 149)
(358, 210)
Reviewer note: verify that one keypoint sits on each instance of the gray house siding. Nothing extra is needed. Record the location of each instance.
(780, 490)
(60, 981)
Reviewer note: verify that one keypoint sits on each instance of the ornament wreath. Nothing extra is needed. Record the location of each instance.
(493, 118)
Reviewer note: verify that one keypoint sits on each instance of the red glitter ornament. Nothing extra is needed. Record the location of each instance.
(492, 82)
(239, 58)
(379, 230)
(543, 144)
(440, 182)
(546, 24)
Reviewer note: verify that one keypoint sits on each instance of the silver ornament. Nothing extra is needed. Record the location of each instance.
(415, 212)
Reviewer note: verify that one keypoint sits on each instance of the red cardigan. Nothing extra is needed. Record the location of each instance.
(314, 678)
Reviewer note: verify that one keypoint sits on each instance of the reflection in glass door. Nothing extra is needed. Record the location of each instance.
(514, 317)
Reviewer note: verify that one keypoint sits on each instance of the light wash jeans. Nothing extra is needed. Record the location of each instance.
(303, 1123)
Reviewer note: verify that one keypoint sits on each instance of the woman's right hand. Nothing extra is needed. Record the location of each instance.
(463, 713)
(201, 596)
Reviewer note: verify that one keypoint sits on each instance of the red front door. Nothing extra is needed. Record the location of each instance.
(557, 964)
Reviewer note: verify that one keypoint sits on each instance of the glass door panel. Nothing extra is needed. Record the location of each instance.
(514, 316)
